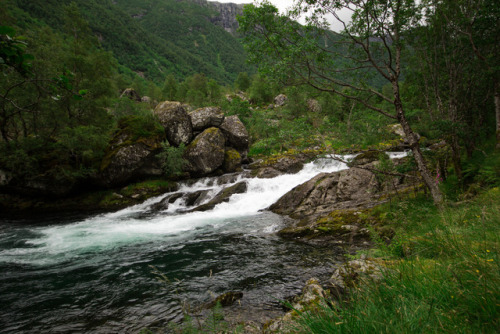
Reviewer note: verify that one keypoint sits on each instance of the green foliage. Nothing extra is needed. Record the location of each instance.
(442, 274)
(142, 124)
(261, 91)
(154, 38)
(12, 51)
(172, 160)
(242, 82)
(170, 88)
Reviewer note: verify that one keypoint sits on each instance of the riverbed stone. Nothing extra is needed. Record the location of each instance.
(223, 196)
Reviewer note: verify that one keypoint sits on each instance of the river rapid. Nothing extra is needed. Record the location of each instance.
(123, 271)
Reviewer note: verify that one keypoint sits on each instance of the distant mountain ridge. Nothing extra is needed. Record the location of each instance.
(228, 14)
(157, 37)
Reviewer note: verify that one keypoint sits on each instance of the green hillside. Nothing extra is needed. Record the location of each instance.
(153, 38)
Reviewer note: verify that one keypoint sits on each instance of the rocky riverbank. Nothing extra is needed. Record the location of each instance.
(331, 210)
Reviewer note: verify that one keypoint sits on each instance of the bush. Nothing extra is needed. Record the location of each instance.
(171, 159)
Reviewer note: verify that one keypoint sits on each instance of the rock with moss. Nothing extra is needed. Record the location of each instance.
(205, 153)
(207, 117)
(225, 299)
(350, 188)
(5, 178)
(232, 160)
(355, 272)
(280, 100)
(266, 173)
(125, 164)
(313, 299)
(236, 133)
(289, 163)
(176, 121)
(128, 158)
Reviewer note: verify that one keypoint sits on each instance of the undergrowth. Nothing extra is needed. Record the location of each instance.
(442, 272)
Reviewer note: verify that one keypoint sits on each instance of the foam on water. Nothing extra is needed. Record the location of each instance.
(96, 234)
(138, 224)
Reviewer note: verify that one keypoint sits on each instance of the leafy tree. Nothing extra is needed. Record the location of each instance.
(55, 114)
(242, 81)
(170, 87)
(312, 55)
(261, 90)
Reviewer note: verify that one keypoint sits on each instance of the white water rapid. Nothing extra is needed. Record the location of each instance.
(93, 275)
(50, 244)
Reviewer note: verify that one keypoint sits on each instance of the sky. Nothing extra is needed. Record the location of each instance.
(283, 5)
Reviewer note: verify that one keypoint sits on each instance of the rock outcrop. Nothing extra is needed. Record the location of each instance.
(235, 132)
(227, 13)
(325, 192)
(207, 117)
(128, 158)
(336, 207)
(223, 196)
(176, 121)
(206, 152)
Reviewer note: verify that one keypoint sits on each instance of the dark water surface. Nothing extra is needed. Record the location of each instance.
(137, 268)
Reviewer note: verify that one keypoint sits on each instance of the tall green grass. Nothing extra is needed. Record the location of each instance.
(442, 274)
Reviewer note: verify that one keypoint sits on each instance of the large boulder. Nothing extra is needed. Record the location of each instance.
(325, 192)
(205, 153)
(207, 117)
(176, 121)
(129, 157)
(235, 132)
(127, 162)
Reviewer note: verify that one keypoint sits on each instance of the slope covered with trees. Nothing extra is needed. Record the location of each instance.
(153, 38)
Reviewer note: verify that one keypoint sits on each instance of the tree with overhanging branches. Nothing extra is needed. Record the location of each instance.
(371, 43)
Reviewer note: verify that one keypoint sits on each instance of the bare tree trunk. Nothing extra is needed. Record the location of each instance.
(415, 147)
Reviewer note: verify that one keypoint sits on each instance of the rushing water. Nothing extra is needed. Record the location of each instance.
(100, 274)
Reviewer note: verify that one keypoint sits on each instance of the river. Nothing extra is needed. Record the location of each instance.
(123, 271)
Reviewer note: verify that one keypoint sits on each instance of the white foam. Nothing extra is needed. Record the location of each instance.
(96, 234)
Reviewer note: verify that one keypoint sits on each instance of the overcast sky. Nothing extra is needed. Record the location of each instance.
(283, 5)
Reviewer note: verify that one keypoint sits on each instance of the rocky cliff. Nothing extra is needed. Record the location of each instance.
(227, 14)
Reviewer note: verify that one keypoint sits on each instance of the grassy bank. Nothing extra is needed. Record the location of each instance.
(442, 273)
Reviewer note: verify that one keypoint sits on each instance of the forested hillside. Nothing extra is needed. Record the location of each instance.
(153, 38)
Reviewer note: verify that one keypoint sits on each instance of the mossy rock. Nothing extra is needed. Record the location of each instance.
(232, 160)
(206, 152)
